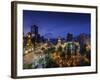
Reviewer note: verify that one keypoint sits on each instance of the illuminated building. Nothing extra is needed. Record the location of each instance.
(29, 40)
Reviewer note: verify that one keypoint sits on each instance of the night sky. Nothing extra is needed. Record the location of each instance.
(54, 24)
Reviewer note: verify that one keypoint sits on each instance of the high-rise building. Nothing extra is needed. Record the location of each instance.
(34, 30)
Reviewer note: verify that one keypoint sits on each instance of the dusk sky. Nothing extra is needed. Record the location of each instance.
(54, 24)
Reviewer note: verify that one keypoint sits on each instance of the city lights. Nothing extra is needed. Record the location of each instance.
(61, 53)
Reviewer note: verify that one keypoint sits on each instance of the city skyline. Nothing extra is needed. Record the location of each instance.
(54, 24)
